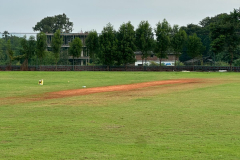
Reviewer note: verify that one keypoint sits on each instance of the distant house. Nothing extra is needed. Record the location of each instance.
(67, 39)
(168, 62)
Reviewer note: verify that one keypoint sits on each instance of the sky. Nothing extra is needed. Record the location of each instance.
(21, 15)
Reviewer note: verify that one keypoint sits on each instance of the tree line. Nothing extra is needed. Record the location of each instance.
(33, 49)
(217, 37)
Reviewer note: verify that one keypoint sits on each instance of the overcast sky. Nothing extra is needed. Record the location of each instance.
(22, 15)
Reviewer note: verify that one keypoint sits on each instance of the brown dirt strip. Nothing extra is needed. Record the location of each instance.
(86, 91)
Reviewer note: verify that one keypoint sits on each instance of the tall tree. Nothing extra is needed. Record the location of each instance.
(224, 34)
(108, 46)
(27, 50)
(5, 35)
(2, 56)
(194, 46)
(126, 45)
(56, 44)
(92, 43)
(10, 52)
(144, 39)
(75, 48)
(162, 43)
(177, 41)
(52, 24)
(41, 46)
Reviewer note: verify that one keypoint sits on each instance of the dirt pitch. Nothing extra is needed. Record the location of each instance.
(127, 87)
(86, 91)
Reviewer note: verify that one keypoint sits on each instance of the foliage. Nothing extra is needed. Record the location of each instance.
(27, 51)
(2, 56)
(195, 46)
(5, 35)
(92, 43)
(221, 63)
(10, 52)
(152, 63)
(56, 44)
(75, 48)
(108, 46)
(144, 39)
(236, 62)
(162, 43)
(178, 39)
(41, 45)
(224, 34)
(126, 46)
(178, 63)
(52, 24)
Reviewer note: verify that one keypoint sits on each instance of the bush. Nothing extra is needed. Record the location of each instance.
(221, 63)
(236, 62)
(152, 64)
(179, 63)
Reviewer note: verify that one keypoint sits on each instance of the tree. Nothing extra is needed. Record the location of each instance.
(92, 43)
(10, 53)
(2, 56)
(194, 47)
(52, 24)
(27, 50)
(162, 43)
(5, 35)
(108, 46)
(75, 48)
(41, 46)
(177, 41)
(56, 45)
(126, 46)
(144, 38)
(224, 34)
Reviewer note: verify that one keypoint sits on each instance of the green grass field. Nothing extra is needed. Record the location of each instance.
(177, 121)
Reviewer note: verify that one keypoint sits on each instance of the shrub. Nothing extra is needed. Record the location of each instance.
(236, 62)
(221, 63)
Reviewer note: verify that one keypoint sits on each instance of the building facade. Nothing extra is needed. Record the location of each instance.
(67, 39)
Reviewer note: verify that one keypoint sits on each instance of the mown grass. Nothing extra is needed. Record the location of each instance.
(179, 121)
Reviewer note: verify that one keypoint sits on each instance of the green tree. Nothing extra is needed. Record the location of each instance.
(2, 56)
(5, 35)
(92, 43)
(108, 46)
(224, 34)
(10, 53)
(177, 41)
(126, 45)
(75, 48)
(195, 47)
(144, 39)
(27, 50)
(52, 24)
(56, 44)
(162, 43)
(41, 46)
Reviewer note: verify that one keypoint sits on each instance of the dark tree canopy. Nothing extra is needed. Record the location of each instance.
(108, 46)
(144, 38)
(41, 45)
(56, 44)
(224, 34)
(162, 43)
(92, 43)
(52, 24)
(126, 46)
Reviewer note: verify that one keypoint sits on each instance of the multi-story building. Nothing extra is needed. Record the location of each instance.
(67, 39)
